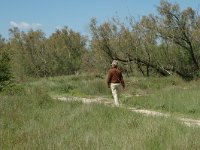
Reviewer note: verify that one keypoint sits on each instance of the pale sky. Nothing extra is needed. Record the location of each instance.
(48, 15)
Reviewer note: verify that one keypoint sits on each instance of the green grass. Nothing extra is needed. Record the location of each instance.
(84, 85)
(169, 94)
(33, 120)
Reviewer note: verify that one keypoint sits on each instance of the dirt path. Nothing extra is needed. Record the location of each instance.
(186, 121)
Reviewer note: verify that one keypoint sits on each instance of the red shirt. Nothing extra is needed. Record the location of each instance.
(115, 76)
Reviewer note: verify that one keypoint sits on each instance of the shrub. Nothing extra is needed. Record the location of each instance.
(5, 70)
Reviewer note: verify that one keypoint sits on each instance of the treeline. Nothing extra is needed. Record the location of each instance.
(163, 44)
(31, 54)
(38, 56)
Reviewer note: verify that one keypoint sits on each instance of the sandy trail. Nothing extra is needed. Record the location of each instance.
(186, 121)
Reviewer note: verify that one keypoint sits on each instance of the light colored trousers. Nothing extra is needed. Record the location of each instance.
(116, 90)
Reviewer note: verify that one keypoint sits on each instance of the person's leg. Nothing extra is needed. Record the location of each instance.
(118, 87)
(115, 92)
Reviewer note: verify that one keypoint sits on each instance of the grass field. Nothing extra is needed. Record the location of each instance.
(31, 119)
(171, 94)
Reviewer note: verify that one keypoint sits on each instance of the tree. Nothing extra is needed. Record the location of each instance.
(133, 46)
(5, 68)
(167, 43)
(29, 51)
(181, 28)
(66, 48)
(38, 56)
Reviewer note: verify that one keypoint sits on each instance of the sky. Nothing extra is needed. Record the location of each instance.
(49, 15)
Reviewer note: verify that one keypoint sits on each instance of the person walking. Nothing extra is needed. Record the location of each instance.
(115, 81)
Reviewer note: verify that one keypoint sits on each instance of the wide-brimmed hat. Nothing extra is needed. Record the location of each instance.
(114, 63)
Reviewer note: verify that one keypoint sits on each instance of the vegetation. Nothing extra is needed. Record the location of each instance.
(161, 45)
(31, 119)
(37, 56)
(5, 67)
(166, 44)
(154, 53)
(166, 94)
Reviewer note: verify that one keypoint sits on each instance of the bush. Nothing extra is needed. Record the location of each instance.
(5, 70)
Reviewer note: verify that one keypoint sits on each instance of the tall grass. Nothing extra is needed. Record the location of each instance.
(84, 85)
(169, 94)
(34, 121)
(31, 119)
(173, 96)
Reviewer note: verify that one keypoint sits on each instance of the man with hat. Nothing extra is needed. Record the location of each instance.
(115, 81)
